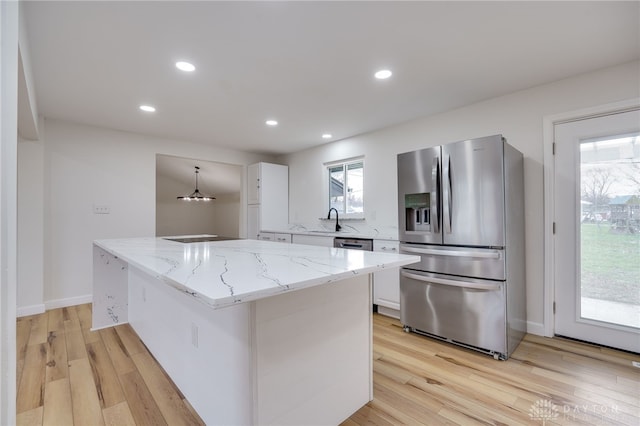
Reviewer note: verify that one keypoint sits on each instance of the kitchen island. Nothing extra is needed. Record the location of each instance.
(252, 332)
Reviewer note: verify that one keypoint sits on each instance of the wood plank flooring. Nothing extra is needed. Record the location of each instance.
(421, 381)
(69, 375)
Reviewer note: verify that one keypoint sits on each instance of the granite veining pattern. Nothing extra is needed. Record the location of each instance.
(222, 273)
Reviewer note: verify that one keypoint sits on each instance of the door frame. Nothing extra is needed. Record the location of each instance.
(549, 123)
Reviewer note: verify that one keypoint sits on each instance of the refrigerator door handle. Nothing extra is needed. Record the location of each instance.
(435, 202)
(443, 281)
(494, 254)
(446, 194)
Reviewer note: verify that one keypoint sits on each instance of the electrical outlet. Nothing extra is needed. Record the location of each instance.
(194, 335)
(101, 209)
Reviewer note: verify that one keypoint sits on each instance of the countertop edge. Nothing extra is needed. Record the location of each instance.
(332, 234)
(222, 302)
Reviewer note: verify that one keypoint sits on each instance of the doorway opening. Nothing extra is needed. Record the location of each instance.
(175, 177)
(595, 242)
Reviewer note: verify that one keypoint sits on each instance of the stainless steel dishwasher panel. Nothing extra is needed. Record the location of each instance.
(365, 244)
(466, 311)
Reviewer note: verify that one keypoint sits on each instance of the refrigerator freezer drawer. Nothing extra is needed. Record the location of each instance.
(463, 261)
(464, 311)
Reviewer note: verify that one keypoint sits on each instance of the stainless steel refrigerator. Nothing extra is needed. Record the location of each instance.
(461, 208)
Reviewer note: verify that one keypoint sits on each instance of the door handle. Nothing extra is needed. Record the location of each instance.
(435, 177)
(447, 194)
(477, 254)
(444, 281)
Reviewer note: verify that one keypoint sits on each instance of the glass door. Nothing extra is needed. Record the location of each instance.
(597, 239)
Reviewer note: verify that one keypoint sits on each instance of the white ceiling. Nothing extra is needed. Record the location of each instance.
(309, 65)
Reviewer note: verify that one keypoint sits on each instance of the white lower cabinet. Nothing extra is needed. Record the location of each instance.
(282, 238)
(386, 284)
(277, 237)
(312, 240)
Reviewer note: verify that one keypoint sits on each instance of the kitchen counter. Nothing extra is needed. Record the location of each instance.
(351, 228)
(251, 332)
(374, 235)
(223, 273)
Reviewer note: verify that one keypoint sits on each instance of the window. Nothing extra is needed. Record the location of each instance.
(346, 187)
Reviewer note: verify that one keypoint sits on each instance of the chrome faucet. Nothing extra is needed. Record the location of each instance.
(338, 227)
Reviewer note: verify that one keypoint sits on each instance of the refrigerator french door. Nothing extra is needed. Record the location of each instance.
(461, 208)
(453, 194)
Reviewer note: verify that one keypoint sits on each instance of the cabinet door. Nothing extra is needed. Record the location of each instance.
(253, 184)
(386, 283)
(274, 196)
(253, 221)
(266, 236)
(283, 238)
(313, 240)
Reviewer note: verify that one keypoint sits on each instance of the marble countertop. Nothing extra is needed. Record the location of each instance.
(347, 231)
(223, 273)
(321, 233)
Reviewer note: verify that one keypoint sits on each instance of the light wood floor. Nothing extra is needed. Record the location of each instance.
(68, 375)
(418, 380)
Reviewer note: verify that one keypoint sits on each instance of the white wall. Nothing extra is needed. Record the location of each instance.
(30, 294)
(518, 116)
(27, 108)
(9, 17)
(86, 166)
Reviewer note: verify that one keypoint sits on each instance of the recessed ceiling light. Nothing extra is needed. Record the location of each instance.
(271, 123)
(383, 74)
(185, 66)
(326, 136)
(147, 108)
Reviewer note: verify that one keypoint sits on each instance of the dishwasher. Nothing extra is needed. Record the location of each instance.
(365, 244)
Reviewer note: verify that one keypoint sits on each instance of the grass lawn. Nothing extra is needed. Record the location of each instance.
(610, 264)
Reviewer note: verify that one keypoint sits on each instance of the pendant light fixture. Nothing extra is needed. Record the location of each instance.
(196, 195)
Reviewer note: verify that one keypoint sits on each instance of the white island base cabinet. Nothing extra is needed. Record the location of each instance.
(297, 358)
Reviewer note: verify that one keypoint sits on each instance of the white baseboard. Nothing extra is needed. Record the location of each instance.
(71, 301)
(536, 328)
(30, 310)
(393, 313)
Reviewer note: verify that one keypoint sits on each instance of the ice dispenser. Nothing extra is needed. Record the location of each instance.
(418, 212)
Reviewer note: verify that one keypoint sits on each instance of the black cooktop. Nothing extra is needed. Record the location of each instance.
(201, 239)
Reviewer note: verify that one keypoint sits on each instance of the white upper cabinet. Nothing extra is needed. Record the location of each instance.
(253, 182)
(268, 188)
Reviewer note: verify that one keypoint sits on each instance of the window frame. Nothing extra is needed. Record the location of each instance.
(327, 186)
